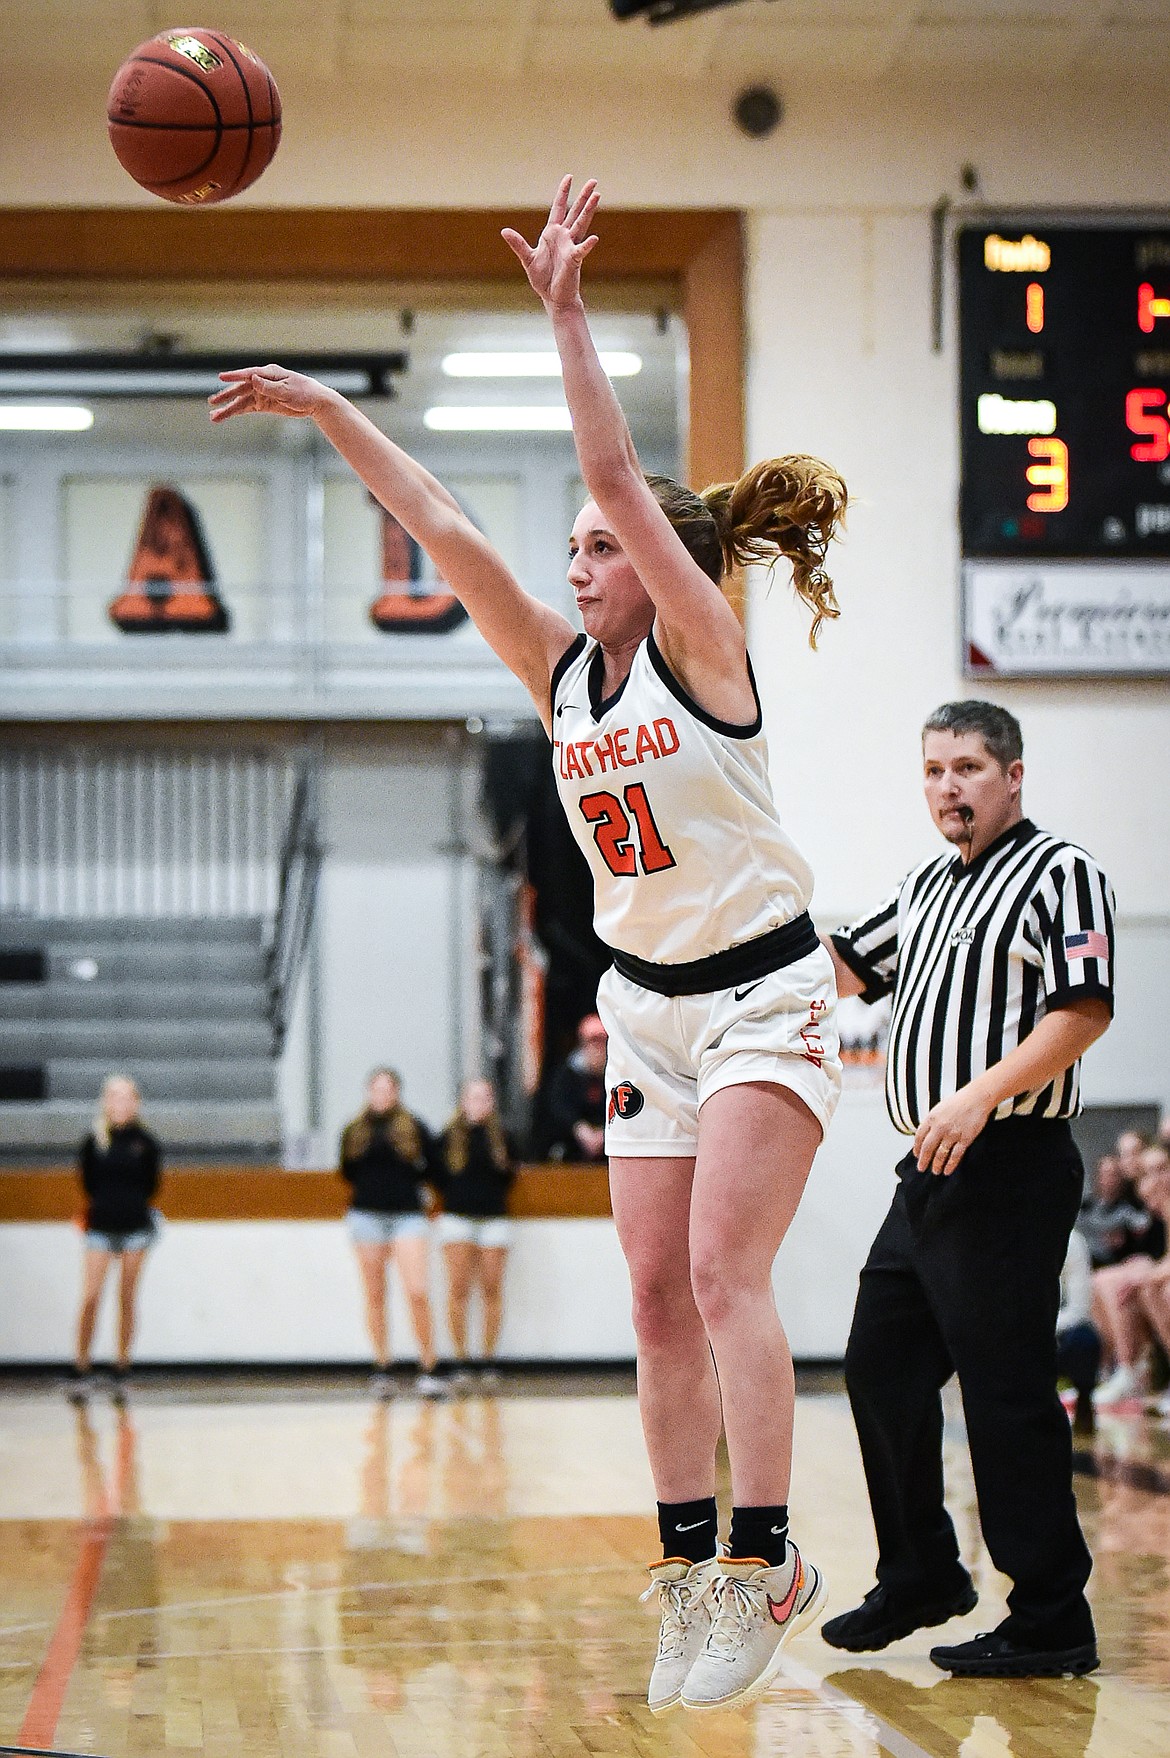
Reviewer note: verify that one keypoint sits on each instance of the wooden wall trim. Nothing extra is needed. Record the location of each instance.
(714, 317)
(698, 251)
(329, 244)
(267, 1193)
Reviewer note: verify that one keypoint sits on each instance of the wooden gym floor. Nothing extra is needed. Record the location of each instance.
(288, 1569)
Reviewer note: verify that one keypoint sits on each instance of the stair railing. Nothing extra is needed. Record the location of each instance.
(300, 867)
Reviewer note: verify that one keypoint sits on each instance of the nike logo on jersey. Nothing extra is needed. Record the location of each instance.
(740, 993)
(783, 1611)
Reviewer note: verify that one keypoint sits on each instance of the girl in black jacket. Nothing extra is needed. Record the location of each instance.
(119, 1164)
(478, 1170)
(387, 1158)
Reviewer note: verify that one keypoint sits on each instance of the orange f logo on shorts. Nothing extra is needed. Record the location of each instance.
(625, 1100)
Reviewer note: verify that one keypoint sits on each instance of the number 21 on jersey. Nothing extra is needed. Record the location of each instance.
(614, 835)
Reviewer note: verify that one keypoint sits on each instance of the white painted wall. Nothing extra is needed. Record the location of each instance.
(288, 1291)
(391, 943)
(382, 134)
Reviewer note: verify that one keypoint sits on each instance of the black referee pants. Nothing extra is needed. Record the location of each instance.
(963, 1278)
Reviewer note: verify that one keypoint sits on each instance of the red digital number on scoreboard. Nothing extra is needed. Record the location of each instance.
(1142, 417)
(1150, 308)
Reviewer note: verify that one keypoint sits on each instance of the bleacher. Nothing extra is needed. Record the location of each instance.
(182, 1005)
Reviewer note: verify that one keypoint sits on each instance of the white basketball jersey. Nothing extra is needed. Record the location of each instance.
(673, 810)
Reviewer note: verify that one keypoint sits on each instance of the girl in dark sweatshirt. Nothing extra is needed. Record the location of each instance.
(479, 1165)
(119, 1165)
(387, 1158)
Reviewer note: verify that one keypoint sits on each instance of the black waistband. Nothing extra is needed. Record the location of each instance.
(721, 970)
(1027, 1123)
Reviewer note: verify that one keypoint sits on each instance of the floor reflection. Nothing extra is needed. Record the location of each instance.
(958, 1718)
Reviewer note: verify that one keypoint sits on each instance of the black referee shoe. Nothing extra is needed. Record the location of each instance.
(880, 1619)
(993, 1656)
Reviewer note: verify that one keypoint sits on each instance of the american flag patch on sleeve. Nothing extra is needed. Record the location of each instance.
(1087, 945)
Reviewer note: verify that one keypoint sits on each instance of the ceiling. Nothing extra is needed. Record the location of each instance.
(383, 41)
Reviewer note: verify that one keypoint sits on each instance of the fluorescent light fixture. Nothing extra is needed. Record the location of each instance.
(142, 382)
(62, 374)
(531, 364)
(498, 418)
(44, 418)
(998, 414)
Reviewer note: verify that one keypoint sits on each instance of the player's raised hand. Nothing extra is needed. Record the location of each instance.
(553, 263)
(266, 390)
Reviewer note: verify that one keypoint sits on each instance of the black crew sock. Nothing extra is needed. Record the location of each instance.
(760, 1532)
(689, 1529)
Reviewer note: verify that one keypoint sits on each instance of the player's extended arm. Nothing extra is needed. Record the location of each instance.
(1060, 1038)
(697, 624)
(527, 635)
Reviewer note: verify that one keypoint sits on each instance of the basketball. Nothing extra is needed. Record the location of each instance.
(194, 116)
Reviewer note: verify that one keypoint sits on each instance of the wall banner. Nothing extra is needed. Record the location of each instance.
(1066, 619)
(170, 583)
(408, 605)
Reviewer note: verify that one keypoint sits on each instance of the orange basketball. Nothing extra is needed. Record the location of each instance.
(194, 116)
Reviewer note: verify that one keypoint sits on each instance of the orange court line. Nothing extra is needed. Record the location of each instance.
(52, 1682)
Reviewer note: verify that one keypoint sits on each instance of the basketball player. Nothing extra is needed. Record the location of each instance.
(723, 1069)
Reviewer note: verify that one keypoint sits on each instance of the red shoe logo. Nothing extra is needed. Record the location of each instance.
(782, 1612)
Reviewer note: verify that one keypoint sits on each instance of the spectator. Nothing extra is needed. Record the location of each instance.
(387, 1156)
(478, 1168)
(1127, 1297)
(1129, 1149)
(1155, 1291)
(1078, 1347)
(576, 1100)
(1112, 1221)
(119, 1163)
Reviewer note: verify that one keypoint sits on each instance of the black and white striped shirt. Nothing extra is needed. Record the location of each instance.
(975, 956)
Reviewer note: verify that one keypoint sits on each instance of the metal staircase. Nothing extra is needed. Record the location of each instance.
(190, 1001)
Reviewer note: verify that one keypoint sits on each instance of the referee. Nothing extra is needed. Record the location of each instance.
(999, 956)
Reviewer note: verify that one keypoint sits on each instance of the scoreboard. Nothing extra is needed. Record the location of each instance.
(1064, 334)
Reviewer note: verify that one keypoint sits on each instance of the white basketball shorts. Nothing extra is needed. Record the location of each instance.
(668, 1054)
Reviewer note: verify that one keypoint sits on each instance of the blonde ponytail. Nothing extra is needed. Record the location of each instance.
(790, 507)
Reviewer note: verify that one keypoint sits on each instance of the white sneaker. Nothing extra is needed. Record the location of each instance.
(685, 1595)
(757, 1608)
(1122, 1384)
